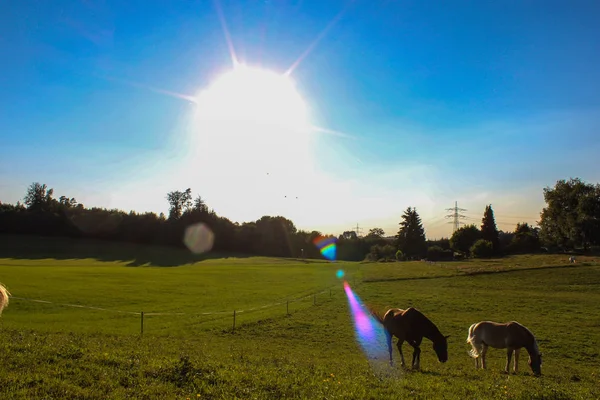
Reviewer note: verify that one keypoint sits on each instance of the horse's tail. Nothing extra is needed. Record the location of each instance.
(470, 337)
(473, 353)
(4, 293)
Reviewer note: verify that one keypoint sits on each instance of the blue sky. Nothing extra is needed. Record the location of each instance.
(476, 102)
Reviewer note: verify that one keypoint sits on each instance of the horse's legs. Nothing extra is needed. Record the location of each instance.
(476, 353)
(399, 344)
(516, 368)
(388, 336)
(416, 363)
(484, 349)
(509, 352)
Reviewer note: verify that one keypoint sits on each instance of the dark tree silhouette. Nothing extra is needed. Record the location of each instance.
(38, 197)
(463, 238)
(179, 202)
(571, 217)
(489, 231)
(525, 239)
(376, 233)
(411, 236)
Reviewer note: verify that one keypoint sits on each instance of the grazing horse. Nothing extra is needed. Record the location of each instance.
(511, 336)
(3, 298)
(412, 326)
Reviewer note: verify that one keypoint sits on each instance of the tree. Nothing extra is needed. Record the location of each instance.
(67, 202)
(434, 253)
(525, 240)
(376, 233)
(482, 249)
(411, 236)
(38, 197)
(388, 252)
(444, 243)
(463, 238)
(349, 235)
(505, 240)
(489, 231)
(437, 253)
(571, 217)
(273, 235)
(179, 202)
(385, 252)
(399, 255)
(200, 205)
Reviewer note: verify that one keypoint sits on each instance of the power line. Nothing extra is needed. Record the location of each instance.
(497, 221)
(455, 216)
(504, 216)
(358, 231)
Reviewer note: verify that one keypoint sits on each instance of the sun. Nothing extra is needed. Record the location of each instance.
(254, 96)
(252, 123)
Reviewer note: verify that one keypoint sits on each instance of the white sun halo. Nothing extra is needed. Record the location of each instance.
(252, 130)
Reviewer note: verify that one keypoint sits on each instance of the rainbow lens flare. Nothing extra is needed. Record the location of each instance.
(327, 246)
(369, 332)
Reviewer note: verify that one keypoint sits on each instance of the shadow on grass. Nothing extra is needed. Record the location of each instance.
(23, 247)
(426, 372)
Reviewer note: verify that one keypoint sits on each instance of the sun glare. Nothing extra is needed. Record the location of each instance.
(252, 129)
(254, 96)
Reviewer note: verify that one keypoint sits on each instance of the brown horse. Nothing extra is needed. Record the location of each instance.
(511, 336)
(3, 298)
(412, 326)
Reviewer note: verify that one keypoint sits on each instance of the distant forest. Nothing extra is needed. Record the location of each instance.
(569, 221)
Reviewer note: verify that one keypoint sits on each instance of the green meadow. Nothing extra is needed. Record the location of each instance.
(294, 335)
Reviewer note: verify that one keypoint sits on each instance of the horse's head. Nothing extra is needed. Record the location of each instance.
(441, 348)
(535, 363)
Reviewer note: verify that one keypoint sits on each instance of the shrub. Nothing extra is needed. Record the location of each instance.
(482, 249)
(399, 255)
(437, 253)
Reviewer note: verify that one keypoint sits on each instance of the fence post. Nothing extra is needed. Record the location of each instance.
(233, 320)
(142, 323)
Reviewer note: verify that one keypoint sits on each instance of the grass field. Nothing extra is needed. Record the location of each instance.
(50, 350)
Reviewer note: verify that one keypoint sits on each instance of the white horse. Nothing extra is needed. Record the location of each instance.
(511, 336)
(3, 298)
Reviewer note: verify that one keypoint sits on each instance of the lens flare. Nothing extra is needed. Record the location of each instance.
(327, 246)
(340, 273)
(369, 332)
(199, 238)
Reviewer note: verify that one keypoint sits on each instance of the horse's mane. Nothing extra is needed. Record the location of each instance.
(532, 337)
(433, 329)
(382, 318)
(4, 293)
(375, 314)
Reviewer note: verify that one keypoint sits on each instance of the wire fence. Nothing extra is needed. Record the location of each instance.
(219, 314)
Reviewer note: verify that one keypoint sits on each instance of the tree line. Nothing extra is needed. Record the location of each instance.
(570, 220)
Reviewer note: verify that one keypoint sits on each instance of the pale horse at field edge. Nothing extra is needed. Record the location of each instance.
(3, 298)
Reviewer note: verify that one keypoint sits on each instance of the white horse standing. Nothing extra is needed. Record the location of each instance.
(511, 336)
(3, 298)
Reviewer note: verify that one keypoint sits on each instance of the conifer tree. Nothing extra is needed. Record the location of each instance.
(489, 231)
(411, 236)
